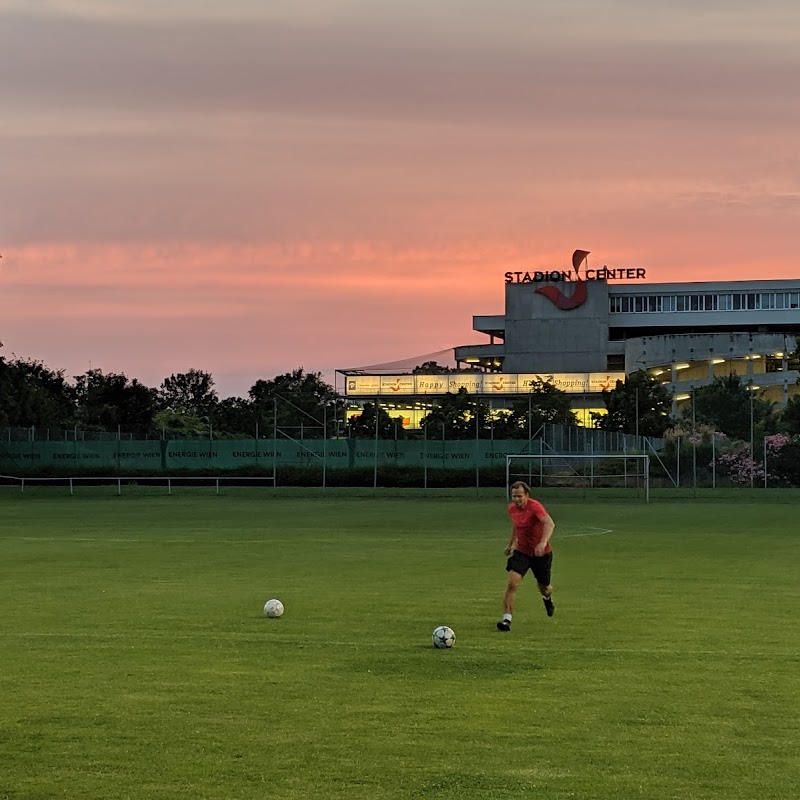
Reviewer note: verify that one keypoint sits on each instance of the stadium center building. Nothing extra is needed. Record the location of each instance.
(581, 333)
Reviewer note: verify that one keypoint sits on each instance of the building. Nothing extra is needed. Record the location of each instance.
(583, 333)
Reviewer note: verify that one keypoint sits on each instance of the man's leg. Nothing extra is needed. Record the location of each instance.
(514, 580)
(541, 569)
(547, 592)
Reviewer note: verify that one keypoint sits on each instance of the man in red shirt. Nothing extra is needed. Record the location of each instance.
(528, 548)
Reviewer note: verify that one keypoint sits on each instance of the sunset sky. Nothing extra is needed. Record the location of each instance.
(250, 186)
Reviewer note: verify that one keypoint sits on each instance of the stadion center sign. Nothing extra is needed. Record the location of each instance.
(578, 297)
(604, 273)
(484, 383)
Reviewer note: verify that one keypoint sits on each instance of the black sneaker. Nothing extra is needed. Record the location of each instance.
(549, 607)
(504, 625)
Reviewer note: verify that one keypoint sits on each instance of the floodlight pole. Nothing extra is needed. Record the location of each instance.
(694, 446)
(375, 471)
(752, 443)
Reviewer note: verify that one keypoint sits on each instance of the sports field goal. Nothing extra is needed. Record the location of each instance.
(583, 472)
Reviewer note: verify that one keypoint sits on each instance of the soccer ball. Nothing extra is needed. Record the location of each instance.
(444, 638)
(273, 608)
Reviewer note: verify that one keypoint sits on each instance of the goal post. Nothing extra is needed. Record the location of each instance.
(571, 471)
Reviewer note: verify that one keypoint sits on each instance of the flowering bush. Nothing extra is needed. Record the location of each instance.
(742, 468)
(776, 442)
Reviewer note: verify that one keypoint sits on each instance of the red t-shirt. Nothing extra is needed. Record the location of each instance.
(528, 528)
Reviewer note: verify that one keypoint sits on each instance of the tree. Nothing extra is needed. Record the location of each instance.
(296, 401)
(546, 404)
(430, 368)
(110, 401)
(726, 403)
(235, 416)
(189, 392)
(789, 418)
(32, 394)
(363, 425)
(639, 404)
(454, 417)
(176, 425)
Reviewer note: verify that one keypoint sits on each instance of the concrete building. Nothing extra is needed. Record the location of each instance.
(685, 334)
(582, 334)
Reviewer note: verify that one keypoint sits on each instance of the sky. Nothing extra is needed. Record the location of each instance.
(251, 186)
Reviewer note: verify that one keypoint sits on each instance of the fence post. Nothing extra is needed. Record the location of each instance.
(425, 458)
(375, 469)
(713, 459)
(694, 448)
(477, 473)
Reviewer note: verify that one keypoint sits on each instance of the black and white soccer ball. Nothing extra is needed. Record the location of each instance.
(444, 638)
(273, 608)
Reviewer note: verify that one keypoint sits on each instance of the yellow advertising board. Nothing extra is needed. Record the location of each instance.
(488, 383)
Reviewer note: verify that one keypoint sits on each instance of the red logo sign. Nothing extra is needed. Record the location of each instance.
(578, 297)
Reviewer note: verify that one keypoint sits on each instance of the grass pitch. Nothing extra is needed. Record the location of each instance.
(136, 661)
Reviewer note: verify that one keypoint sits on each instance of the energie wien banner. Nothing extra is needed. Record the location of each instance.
(165, 456)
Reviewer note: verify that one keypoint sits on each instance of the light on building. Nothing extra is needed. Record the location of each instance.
(682, 366)
(778, 355)
(658, 372)
(717, 360)
(682, 396)
(472, 360)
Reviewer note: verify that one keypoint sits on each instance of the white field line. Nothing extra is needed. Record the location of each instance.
(267, 539)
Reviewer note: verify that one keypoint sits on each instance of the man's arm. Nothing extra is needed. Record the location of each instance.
(511, 542)
(548, 526)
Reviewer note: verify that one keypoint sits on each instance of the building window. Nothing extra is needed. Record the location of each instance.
(615, 362)
(753, 301)
(773, 364)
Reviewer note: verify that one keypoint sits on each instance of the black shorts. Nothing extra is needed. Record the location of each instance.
(539, 565)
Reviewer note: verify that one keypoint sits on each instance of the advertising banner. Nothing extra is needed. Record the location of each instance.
(572, 382)
(398, 384)
(478, 383)
(220, 455)
(471, 381)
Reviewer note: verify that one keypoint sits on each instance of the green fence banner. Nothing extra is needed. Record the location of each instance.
(222, 455)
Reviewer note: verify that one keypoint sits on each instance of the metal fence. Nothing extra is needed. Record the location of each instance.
(689, 460)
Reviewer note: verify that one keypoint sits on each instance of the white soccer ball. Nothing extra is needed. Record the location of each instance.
(273, 608)
(444, 637)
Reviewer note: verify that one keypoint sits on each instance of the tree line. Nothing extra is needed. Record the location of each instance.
(301, 404)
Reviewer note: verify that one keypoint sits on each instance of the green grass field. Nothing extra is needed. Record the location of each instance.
(135, 661)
